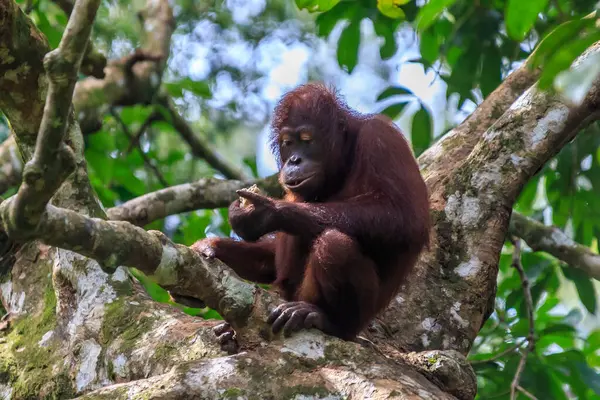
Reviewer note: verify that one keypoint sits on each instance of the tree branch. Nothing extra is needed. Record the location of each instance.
(460, 141)
(52, 160)
(555, 242)
(203, 194)
(116, 243)
(133, 79)
(199, 147)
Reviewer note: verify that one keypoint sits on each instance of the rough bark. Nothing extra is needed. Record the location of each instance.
(471, 202)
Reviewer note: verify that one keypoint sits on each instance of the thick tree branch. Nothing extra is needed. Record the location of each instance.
(471, 202)
(133, 79)
(52, 160)
(116, 243)
(555, 242)
(206, 193)
(199, 147)
(327, 364)
(460, 141)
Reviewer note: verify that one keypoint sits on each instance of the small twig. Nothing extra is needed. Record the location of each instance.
(511, 349)
(138, 55)
(135, 141)
(144, 156)
(516, 263)
(526, 393)
(199, 147)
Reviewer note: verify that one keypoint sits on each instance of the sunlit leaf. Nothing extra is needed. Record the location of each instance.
(593, 340)
(51, 32)
(575, 83)
(521, 15)
(391, 8)
(428, 14)
(199, 88)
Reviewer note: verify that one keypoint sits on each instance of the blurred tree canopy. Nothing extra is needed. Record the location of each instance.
(218, 78)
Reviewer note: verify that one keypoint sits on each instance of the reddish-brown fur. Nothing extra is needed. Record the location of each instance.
(347, 248)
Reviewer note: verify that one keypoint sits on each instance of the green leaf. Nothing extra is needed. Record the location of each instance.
(135, 114)
(100, 164)
(557, 328)
(394, 91)
(421, 132)
(347, 51)
(465, 72)
(391, 8)
(521, 15)
(54, 35)
(564, 57)
(394, 110)
(386, 30)
(558, 37)
(199, 88)
(589, 376)
(585, 288)
(328, 20)
(124, 175)
(316, 5)
(429, 13)
(491, 75)
(429, 46)
(575, 83)
(593, 340)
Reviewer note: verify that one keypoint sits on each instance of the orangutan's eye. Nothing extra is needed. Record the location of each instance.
(285, 140)
(306, 137)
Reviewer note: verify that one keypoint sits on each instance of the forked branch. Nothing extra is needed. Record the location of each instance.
(52, 160)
